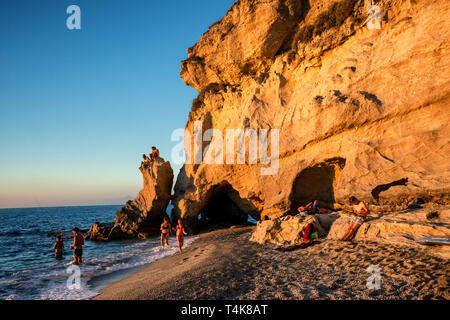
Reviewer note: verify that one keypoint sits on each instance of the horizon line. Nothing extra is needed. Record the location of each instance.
(65, 206)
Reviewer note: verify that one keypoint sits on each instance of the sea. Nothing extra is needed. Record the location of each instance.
(29, 270)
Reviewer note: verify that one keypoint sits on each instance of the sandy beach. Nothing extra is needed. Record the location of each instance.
(224, 264)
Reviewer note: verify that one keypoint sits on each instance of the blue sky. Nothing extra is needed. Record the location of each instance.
(79, 107)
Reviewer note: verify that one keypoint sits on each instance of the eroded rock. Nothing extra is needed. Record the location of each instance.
(356, 108)
(288, 232)
(141, 217)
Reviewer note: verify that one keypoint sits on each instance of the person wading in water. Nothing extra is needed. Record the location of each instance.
(166, 232)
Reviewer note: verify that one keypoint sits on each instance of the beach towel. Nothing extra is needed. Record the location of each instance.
(309, 230)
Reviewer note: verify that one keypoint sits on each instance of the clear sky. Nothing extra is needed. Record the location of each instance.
(79, 107)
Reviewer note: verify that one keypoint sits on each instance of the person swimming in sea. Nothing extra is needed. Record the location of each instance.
(166, 232)
(58, 247)
(180, 234)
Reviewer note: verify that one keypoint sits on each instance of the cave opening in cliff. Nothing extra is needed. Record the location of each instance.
(317, 183)
(221, 210)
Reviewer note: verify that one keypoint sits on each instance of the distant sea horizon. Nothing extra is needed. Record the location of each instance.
(63, 206)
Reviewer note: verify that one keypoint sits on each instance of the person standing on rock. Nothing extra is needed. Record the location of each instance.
(166, 232)
(155, 153)
(360, 211)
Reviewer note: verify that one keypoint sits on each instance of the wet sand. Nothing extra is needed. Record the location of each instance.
(223, 264)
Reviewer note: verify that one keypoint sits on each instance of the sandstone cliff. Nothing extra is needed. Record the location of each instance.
(356, 108)
(142, 216)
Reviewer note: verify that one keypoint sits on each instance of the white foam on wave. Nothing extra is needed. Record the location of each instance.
(52, 284)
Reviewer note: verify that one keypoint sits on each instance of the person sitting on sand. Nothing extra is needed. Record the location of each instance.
(58, 247)
(360, 211)
(77, 245)
(166, 231)
(313, 207)
(180, 234)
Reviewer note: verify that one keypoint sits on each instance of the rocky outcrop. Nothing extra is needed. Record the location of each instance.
(398, 228)
(142, 216)
(355, 108)
(406, 226)
(288, 232)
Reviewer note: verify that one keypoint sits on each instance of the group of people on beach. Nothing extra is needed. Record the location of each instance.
(77, 245)
(149, 159)
(360, 212)
(78, 240)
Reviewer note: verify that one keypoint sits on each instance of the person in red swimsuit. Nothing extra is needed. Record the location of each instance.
(180, 234)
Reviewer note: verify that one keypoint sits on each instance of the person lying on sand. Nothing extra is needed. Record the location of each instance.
(77, 245)
(360, 211)
(166, 231)
(180, 234)
(313, 207)
(58, 247)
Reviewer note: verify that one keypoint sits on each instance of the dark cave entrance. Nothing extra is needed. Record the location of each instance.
(221, 210)
(317, 183)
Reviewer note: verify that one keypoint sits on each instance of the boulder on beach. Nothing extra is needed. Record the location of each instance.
(288, 232)
(100, 231)
(141, 217)
(405, 227)
(398, 228)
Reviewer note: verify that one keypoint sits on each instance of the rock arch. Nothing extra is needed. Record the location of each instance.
(222, 207)
(317, 182)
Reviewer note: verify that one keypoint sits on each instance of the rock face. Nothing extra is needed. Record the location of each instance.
(355, 108)
(142, 216)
